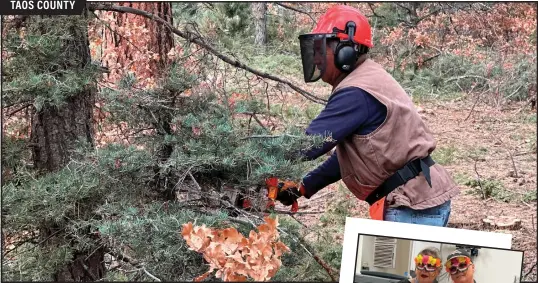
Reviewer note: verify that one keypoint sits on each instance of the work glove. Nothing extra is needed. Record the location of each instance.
(289, 192)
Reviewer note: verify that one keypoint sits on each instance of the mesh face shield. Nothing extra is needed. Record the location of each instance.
(313, 55)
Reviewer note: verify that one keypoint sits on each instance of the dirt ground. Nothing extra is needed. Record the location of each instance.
(486, 144)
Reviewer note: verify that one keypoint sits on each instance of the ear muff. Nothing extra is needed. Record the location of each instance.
(347, 51)
(345, 54)
(345, 57)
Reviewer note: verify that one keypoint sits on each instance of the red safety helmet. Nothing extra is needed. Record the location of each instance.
(344, 23)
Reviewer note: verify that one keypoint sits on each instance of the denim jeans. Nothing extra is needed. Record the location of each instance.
(435, 216)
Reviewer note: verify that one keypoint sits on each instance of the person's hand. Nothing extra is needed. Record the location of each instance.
(289, 192)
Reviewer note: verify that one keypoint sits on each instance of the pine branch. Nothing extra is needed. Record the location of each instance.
(268, 136)
(127, 259)
(197, 40)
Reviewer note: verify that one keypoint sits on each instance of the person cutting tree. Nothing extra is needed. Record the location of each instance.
(382, 145)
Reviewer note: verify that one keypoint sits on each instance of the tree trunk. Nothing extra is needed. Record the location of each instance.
(159, 40)
(56, 131)
(259, 10)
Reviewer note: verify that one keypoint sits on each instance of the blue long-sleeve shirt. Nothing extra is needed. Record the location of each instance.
(349, 111)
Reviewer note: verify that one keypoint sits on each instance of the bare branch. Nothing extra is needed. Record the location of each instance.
(18, 110)
(199, 40)
(297, 10)
(472, 108)
(259, 122)
(479, 181)
(115, 32)
(151, 275)
(268, 136)
(373, 11)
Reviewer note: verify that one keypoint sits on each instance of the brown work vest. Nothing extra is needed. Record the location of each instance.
(366, 161)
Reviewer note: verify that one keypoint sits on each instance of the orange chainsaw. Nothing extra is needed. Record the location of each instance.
(274, 187)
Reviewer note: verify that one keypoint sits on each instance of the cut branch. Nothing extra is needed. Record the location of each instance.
(198, 40)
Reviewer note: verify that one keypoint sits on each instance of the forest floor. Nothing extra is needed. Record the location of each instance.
(494, 145)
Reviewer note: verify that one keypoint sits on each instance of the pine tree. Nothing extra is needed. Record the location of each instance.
(50, 67)
(100, 201)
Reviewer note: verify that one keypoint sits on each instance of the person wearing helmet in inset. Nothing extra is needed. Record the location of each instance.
(382, 145)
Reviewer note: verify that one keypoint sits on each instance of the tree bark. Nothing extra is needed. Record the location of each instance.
(160, 40)
(56, 132)
(259, 10)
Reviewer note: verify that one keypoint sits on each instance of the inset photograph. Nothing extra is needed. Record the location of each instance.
(396, 260)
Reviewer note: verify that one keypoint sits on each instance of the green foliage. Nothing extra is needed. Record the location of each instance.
(462, 178)
(152, 235)
(44, 66)
(108, 190)
(444, 155)
(390, 15)
(450, 74)
(490, 188)
(478, 153)
(69, 199)
(299, 265)
(530, 196)
(14, 152)
(278, 63)
(74, 191)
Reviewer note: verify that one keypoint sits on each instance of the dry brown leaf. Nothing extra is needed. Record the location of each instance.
(234, 257)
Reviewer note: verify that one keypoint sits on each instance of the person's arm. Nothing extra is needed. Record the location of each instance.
(346, 111)
(344, 114)
(325, 174)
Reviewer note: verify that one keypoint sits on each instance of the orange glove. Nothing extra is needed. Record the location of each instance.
(289, 192)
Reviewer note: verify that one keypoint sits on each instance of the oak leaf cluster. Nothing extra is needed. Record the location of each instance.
(235, 257)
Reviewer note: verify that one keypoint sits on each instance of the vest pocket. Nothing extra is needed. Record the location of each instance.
(360, 190)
